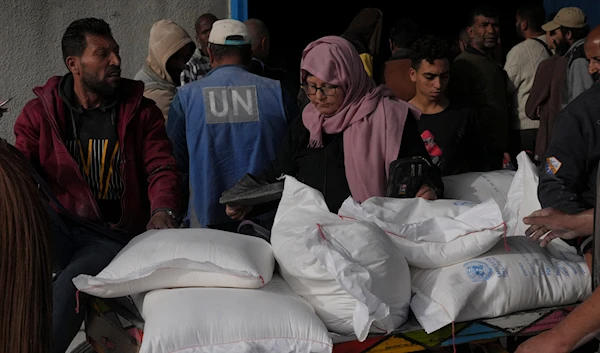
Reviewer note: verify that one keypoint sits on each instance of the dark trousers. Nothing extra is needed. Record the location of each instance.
(76, 251)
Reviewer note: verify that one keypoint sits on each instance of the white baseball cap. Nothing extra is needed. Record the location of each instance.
(229, 32)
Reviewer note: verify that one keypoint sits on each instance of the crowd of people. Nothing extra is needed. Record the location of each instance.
(159, 151)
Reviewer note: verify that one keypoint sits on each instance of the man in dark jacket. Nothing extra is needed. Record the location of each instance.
(479, 83)
(103, 151)
(569, 169)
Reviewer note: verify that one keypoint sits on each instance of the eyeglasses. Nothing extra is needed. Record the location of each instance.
(326, 90)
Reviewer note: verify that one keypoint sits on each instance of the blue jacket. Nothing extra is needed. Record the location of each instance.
(226, 125)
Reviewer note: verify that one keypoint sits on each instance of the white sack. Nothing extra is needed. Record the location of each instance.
(223, 320)
(499, 283)
(432, 234)
(478, 187)
(350, 271)
(522, 196)
(172, 258)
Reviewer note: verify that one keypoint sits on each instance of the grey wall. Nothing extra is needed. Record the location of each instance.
(30, 33)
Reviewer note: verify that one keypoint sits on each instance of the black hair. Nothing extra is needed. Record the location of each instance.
(206, 16)
(577, 33)
(482, 10)
(74, 40)
(534, 14)
(428, 48)
(244, 52)
(405, 32)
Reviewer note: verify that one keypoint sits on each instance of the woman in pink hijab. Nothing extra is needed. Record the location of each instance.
(344, 142)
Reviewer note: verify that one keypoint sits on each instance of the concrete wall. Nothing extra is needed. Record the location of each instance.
(31, 30)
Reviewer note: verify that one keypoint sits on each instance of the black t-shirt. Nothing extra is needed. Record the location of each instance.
(451, 138)
(93, 141)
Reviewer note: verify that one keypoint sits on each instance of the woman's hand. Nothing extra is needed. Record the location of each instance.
(237, 212)
(426, 192)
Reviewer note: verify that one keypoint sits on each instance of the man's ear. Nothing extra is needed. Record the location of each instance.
(73, 65)
(568, 35)
(524, 25)
(471, 32)
(391, 46)
(413, 74)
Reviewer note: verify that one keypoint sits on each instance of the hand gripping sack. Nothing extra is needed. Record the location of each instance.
(478, 187)
(349, 271)
(223, 320)
(499, 283)
(173, 258)
(522, 198)
(432, 234)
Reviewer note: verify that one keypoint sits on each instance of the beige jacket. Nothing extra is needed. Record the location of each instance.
(166, 39)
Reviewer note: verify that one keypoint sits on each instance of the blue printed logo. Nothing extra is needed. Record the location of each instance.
(463, 203)
(478, 271)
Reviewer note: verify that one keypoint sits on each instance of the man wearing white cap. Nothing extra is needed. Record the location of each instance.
(568, 29)
(225, 125)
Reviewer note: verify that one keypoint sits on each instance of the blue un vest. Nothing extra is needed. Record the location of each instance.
(235, 121)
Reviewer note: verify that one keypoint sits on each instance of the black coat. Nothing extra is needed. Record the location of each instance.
(324, 169)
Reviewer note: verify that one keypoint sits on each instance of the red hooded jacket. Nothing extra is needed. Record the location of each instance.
(148, 166)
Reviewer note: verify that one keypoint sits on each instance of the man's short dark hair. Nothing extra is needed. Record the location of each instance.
(428, 48)
(206, 16)
(482, 10)
(404, 33)
(577, 33)
(534, 14)
(224, 51)
(74, 40)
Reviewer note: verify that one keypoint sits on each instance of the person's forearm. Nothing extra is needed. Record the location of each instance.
(583, 223)
(582, 321)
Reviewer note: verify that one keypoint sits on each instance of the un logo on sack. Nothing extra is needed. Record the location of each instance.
(478, 271)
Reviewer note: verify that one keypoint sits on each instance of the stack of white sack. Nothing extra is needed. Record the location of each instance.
(349, 271)
(504, 280)
(432, 234)
(226, 301)
(478, 187)
(500, 282)
(514, 192)
(222, 320)
(178, 258)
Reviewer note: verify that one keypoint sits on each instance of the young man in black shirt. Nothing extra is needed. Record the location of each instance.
(449, 133)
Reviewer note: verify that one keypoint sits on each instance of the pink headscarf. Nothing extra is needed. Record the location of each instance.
(372, 123)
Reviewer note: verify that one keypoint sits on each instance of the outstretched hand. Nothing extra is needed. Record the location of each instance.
(559, 224)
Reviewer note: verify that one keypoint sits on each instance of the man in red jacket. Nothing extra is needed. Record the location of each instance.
(103, 151)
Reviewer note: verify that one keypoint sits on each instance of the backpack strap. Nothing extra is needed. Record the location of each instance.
(545, 45)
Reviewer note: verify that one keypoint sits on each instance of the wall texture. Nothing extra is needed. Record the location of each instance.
(31, 30)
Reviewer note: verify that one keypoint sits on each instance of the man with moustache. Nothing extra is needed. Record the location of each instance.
(103, 151)
(478, 82)
(568, 30)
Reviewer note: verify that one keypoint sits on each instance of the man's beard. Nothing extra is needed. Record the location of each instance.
(562, 47)
(99, 87)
